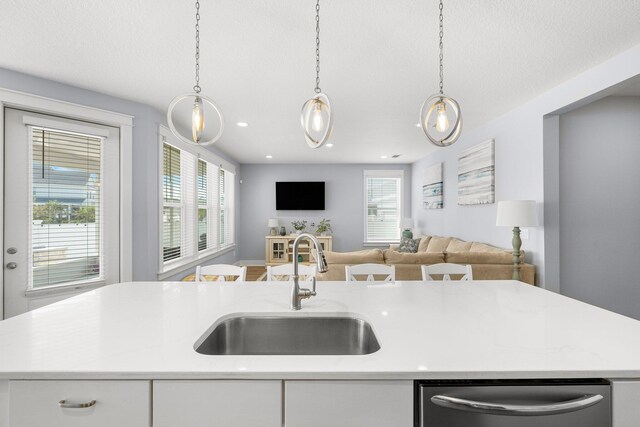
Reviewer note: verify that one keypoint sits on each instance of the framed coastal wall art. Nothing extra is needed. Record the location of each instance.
(432, 187)
(476, 174)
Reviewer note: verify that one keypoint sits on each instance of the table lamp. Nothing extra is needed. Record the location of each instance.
(406, 226)
(274, 223)
(516, 214)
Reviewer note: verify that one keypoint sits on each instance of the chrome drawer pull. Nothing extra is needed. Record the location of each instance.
(531, 410)
(69, 405)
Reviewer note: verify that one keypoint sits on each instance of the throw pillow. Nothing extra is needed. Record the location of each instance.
(408, 245)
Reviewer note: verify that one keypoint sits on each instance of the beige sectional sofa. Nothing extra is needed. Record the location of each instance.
(488, 262)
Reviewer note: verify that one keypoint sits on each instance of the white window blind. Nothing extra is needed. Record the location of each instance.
(66, 208)
(383, 210)
(172, 205)
(226, 189)
(203, 206)
(198, 199)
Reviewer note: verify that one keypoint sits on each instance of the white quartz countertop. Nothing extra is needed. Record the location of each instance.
(482, 329)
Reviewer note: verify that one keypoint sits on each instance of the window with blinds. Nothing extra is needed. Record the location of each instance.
(67, 223)
(197, 207)
(226, 230)
(383, 206)
(203, 207)
(172, 209)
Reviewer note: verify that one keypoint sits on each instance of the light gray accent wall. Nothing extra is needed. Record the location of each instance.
(344, 202)
(551, 131)
(520, 161)
(518, 175)
(145, 160)
(600, 204)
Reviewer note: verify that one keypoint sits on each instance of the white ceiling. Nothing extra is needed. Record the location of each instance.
(379, 60)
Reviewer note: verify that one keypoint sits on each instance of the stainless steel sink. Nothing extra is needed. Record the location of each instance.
(289, 335)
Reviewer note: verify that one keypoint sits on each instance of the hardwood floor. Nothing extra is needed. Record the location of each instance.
(255, 271)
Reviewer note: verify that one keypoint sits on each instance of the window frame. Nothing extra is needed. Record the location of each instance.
(189, 219)
(382, 173)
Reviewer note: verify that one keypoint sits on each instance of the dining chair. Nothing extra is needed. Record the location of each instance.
(387, 272)
(222, 271)
(285, 271)
(446, 270)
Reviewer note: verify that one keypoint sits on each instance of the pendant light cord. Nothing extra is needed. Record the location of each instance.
(318, 46)
(441, 54)
(196, 88)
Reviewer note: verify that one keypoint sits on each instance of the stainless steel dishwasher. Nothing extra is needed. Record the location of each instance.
(513, 403)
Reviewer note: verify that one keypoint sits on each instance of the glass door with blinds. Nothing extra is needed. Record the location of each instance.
(383, 205)
(61, 208)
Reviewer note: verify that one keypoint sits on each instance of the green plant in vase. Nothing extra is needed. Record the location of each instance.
(324, 226)
(299, 226)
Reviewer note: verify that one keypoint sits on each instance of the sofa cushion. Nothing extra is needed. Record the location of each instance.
(357, 257)
(483, 247)
(438, 244)
(394, 257)
(479, 257)
(424, 242)
(457, 245)
(408, 245)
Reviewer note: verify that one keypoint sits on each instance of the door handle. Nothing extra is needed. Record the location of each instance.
(11, 265)
(503, 409)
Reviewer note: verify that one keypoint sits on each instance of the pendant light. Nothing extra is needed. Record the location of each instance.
(317, 116)
(199, 106)
(440, 116)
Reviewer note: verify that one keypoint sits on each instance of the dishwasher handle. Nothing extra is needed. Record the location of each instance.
(518, 410)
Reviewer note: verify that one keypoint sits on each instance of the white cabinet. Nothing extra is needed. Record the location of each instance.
(217, 403)
(349, 403)
(625, 403)
(279, 250)
(117, 403)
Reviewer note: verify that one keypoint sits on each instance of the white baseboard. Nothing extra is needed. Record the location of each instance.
(250, 262)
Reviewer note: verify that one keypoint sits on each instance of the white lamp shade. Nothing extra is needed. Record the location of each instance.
(273, 222)
(517, 213)
(407, 224)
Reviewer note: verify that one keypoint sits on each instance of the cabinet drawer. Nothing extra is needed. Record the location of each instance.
(217, 403)
(117, 403)
(349, 403)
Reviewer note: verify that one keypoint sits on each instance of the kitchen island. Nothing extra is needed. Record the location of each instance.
(140, 336)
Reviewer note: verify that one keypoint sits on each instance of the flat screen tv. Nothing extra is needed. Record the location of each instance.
(300, 196)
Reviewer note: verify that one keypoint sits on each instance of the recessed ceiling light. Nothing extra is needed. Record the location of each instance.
(269, 156)
(417, 125)
(383, 157)
(329, 145)
(242, 124)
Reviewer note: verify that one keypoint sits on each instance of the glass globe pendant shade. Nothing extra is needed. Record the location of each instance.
(441, 120)
(317, 120)
(197, 121)
(191, 114)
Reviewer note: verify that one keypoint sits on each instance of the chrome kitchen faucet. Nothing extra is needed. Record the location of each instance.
(298, 294)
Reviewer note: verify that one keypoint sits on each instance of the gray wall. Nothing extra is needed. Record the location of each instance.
(145, 160)
(344, 202)
(600, 204)
(521, 163)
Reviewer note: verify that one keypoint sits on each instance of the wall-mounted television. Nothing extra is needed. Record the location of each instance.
(300, 196)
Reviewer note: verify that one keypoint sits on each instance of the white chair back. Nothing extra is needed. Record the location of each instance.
(222, 271)
(446, 270)
(285, 271)
(370, 270)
